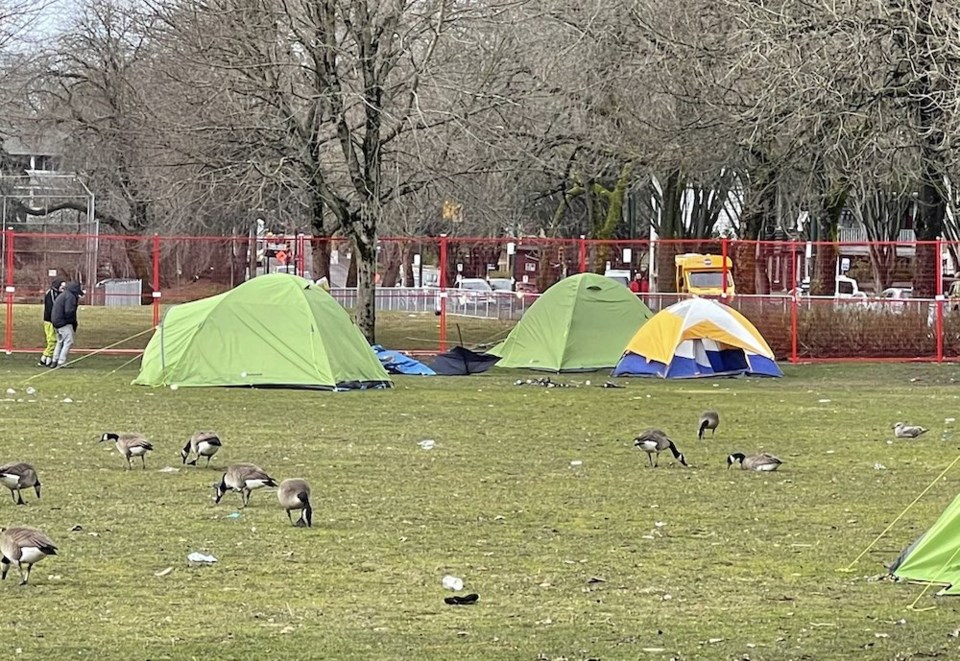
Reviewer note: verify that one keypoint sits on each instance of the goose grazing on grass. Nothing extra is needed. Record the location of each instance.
(203, 444)
(294, 494)
(18, 475)
(901, 430)
(243, 478)
(754, 462)
(24, 546)
(653, 442)
(708, 420)
(130, 445)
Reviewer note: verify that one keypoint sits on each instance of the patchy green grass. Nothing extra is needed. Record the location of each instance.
(129, 328)
(742, 564)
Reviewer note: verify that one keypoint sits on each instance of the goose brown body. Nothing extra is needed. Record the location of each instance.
(24, 546)
(130, 445)
(294, 494)
(243, 478)
(18, 475)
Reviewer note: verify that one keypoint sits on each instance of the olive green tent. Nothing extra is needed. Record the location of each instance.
(935, 556)
(275, 330)
(583, 322)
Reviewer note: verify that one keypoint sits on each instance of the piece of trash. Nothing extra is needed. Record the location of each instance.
(465, 600)
(660, 524)
(67, 400)
(946, 421)
(169, 469)
(879, 467)
(201, 558)
(163, 572)
(882, 635)
(596, 579)
(576, 463)
(653, 650)
(588, 382)
(233, 515)
(667, 597)
(823, 401)
(452, 582)
(427, 444)
(714, 641)
(11, 391)
(611, 384)
(31, 391)
(173, 386)
(76, 528)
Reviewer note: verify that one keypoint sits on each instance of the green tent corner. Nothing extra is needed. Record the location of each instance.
(274, 330)
(935, 556)
(581, 323)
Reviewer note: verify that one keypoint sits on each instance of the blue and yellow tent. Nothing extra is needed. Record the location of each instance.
(697, 337)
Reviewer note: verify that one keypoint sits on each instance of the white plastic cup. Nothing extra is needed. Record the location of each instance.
(452, 582)
(427, 444)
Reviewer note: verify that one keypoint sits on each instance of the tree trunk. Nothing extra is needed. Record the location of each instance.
(320, 259)
(391, 269)
(141, 264)
(352, 277)
(365, 263)
(824, 281)
(406, 258)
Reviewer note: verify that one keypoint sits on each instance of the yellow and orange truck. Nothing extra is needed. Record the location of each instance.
(703, 275)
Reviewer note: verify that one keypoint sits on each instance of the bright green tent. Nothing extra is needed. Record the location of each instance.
(583, 322)
(274, 330)
(935, 556)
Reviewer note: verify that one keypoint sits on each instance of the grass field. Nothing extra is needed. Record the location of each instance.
(695, 563)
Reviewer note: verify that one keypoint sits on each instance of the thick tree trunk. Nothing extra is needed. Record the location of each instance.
(364, 240)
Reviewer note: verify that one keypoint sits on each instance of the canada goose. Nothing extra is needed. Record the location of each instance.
(16, 476)
(901, 430)
(243, 478)
(294, 494)
(24, 546)
(754, 462)
(203, 444)
(653, 442)
(708, 420)
(129, 445)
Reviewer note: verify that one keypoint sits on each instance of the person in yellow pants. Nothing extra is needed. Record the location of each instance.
(49, 332)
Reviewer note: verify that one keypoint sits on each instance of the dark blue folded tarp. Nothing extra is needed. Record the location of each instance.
(397, 363)
(460, 362)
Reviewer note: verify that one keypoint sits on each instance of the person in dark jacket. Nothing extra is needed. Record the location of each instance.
(49, 332)
(64, 319)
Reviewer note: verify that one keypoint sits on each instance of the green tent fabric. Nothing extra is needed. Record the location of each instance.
(583, 322)
(274, 330)
(935, 557)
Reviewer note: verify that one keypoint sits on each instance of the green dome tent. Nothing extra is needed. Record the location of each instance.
(935, 556)
(274, 330)
(581, 323)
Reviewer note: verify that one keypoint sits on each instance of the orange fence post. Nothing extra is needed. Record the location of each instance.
(794, 304)
(10, 289)
(443, 292)
(156, 279)
(582, 258)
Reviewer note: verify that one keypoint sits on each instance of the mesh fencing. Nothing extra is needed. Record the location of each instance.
(810, 301)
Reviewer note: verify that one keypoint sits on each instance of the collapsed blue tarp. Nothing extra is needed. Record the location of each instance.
(397, 363)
